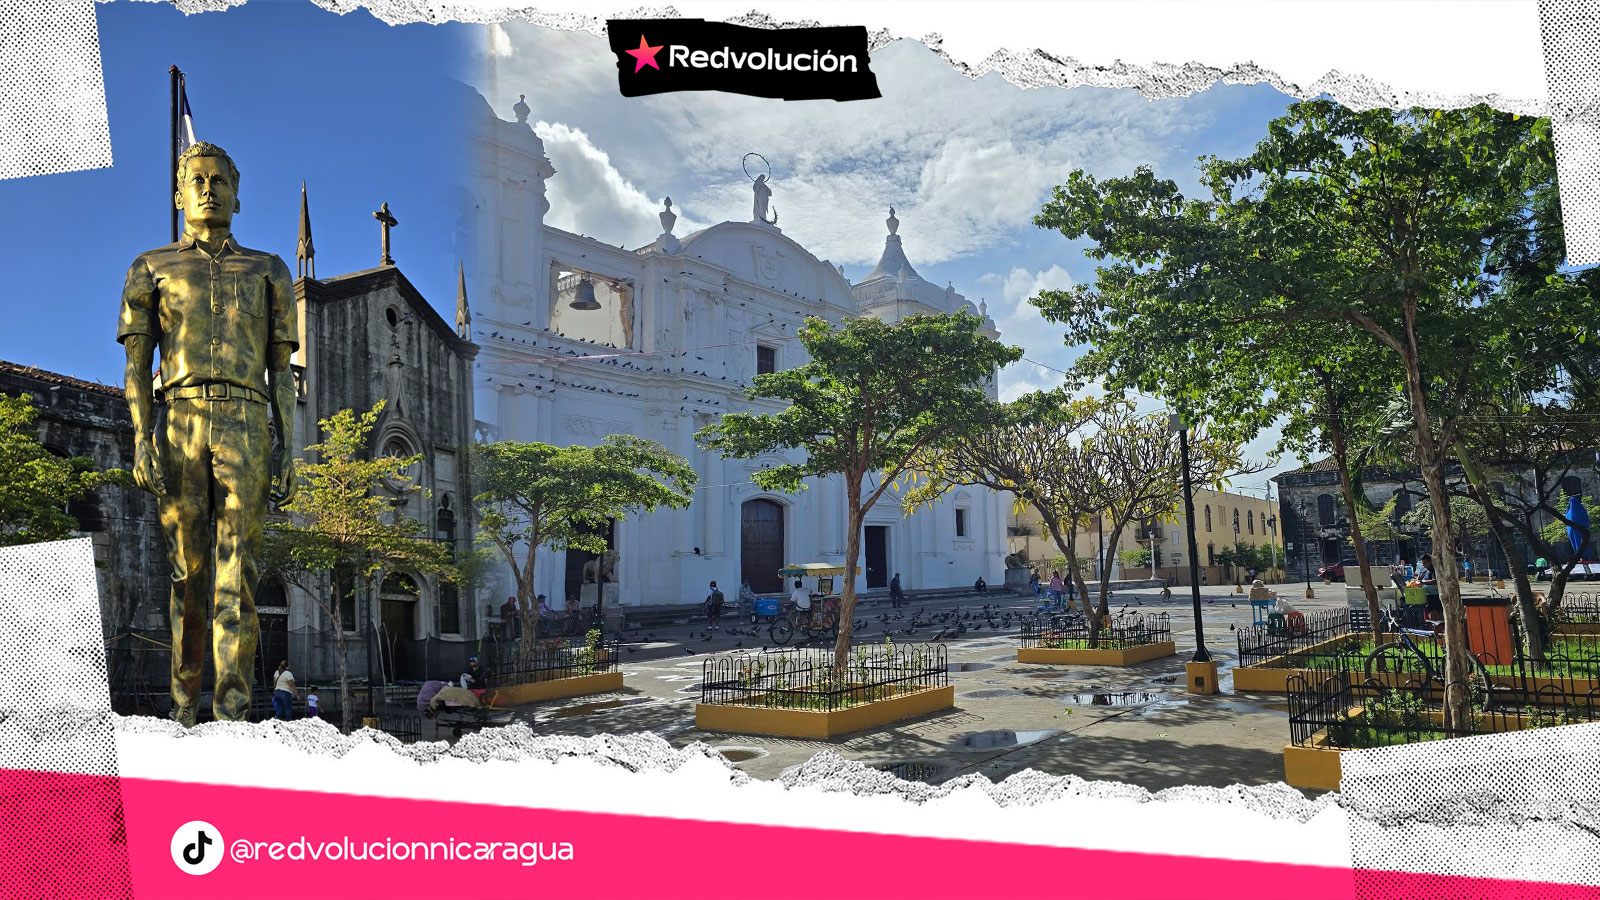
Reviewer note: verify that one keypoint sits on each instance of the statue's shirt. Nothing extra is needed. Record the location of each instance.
(213, 316)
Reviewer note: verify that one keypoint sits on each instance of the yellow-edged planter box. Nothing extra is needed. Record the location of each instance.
(555, 689)
(1064, 657)
(806, 723)
(1317, 765)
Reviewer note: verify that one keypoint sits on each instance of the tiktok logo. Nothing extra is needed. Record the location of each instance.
(197, 847)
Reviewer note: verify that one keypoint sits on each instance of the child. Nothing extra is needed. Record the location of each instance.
(312, 712)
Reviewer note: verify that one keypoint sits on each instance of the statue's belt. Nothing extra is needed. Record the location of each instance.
(215, 390)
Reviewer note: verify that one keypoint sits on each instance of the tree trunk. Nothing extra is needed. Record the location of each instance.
(852, 551)
(1068, 546)
(346, 699)
(1532, 635)
(1341, 459)
(1457, 669)
(1105, 573)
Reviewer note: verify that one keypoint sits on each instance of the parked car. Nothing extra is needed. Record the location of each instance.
(1335, 572)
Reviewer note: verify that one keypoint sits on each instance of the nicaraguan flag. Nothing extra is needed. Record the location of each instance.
(185, 121)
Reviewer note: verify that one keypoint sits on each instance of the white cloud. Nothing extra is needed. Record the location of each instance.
(589, 196)
(499, 42)
(1022, 325)
(966, 163)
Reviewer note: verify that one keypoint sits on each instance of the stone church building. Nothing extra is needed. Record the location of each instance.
(583, 338)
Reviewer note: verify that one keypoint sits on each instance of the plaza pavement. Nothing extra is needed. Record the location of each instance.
(1134, 724)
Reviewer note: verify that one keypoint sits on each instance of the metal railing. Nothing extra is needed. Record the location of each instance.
(1073, 633)
(1259, 643)
(552, 658)
(807, 678)
(1343, 711)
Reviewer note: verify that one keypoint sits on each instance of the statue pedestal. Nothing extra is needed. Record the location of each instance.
(609, 593)
(1017, 578)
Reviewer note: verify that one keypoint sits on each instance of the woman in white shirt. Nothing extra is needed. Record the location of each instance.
(283, 692)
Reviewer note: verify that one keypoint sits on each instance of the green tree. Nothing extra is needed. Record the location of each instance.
(872, 397)
(1392, 224)
(347, 526)
(35, 484)
(1035, 449)
(534, 495)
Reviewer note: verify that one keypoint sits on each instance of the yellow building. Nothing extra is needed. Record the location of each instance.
(1219, 515)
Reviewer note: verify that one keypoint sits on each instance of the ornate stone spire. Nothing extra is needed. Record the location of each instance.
(305, 253)
(521, 109)
(463, 314)
(893, 263)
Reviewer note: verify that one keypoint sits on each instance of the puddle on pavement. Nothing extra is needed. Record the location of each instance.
(691, 688)
(969, 667)
(999, 740)
(1008, 658)
(740, 754)
(1048, 675)
(916, 770)
(584, 709)
(981, 645)
(993, 694)
(1166, 679)
(1113, 698)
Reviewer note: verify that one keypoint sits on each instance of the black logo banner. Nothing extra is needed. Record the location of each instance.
(655, 56)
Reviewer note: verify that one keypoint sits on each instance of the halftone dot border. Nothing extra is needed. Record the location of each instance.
(1571, 32)
(52, 92)
(61, 834)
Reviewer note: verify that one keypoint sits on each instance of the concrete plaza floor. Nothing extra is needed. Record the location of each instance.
(1133, 724)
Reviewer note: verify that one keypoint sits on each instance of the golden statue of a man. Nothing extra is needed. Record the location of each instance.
(224, 319)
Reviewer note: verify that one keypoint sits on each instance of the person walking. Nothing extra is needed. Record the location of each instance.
(1033, 584)
(1056, 587)
(313, 705)
(714, 601)
(897, 595)
(283, 692)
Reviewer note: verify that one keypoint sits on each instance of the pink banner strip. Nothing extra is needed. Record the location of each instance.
(264, 842)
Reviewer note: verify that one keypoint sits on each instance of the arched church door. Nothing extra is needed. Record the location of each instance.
(761, 546)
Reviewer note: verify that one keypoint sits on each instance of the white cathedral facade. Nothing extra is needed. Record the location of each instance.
(581, 339)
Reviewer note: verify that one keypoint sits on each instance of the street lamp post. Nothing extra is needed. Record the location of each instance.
(1201, 655)
(1305, 553)
(1236, 551)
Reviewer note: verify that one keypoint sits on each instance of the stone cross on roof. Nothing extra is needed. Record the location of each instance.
(386, 221)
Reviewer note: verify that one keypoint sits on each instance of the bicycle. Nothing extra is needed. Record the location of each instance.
(577, 621)
(1405, 655)
(810, 622)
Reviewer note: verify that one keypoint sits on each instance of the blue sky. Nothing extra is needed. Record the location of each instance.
(966, 164)
(351, 105)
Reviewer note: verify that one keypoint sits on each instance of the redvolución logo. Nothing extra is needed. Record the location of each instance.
(655, 56)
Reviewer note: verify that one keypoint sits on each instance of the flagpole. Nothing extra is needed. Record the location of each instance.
(172, 170)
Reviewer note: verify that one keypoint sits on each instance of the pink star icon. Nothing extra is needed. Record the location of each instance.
(645, 55)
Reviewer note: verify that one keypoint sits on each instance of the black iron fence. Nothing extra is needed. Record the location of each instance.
(1345, 711)
(1581, 608)
(1073, 633)
(1292, 637)
(551, 658)
(807, 677)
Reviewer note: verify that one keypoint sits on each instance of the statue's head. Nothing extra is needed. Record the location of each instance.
(208, 185)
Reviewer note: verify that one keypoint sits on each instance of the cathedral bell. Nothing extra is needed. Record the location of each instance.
(585, 296)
